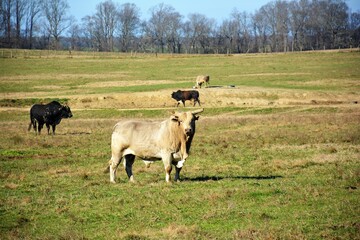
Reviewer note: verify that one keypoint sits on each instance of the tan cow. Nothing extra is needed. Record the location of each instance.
(151, 141)
(177, 156)
(201, 79)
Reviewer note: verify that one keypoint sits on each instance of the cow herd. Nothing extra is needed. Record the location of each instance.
(168, 140)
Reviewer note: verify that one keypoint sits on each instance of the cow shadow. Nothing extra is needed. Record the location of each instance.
(218, 178)
(73, 133)
(221, 86)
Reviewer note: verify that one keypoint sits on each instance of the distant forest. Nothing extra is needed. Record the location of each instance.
(278, 26)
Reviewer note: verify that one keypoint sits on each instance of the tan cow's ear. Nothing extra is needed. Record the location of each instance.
(174, 118)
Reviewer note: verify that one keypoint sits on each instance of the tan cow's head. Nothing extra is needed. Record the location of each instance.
(186, 120)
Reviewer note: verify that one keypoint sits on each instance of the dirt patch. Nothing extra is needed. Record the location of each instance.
(329, 82)
(219, 96)
(49, 87)
(209, 97)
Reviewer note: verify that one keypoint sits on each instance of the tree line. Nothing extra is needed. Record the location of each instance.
(278, 26)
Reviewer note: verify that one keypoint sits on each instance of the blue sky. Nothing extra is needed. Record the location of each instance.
(219, 10)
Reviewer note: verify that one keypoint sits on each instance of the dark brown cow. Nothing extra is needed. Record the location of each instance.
(182, 96)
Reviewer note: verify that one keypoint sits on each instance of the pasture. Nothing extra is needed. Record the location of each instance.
(275, 155)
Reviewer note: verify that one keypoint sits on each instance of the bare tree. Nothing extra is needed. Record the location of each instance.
(129, 22)
(174, 32)
(158, 25)
(299, 15)
(74, 36)
(328, 19)
(105, 23)
(354, 29)
(90, 34)
(275, 18)
(282, 25)
(198, 31)
(20, 7)
(6, 8)
(268, 16)
(1, 18)
(57, 21)
(337, 22)
(242, 33)
(262, 30)
(32, 15)
(227, 34)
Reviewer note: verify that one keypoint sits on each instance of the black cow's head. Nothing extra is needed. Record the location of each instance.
(176, 95)
(66, 112)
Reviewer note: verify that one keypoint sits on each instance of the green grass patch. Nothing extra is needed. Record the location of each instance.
(300, 71)
(124, 113)
(26, 102)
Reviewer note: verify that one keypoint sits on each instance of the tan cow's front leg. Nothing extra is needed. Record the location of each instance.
(168, 171)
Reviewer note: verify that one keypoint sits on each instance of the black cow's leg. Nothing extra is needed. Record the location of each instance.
(183, 101)
(129, 161)
(48, 128)
(53, 129)
(177, 174)
(40, 126)
(34, 125)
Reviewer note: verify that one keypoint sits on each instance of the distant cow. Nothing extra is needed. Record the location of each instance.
(200, 80)
(152, 141)
(182, 96)
(49, 114)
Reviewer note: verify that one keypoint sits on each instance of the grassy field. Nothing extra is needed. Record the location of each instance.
(275, 156)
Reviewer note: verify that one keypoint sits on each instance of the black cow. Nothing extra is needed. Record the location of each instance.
(182, 96)
(49, 114)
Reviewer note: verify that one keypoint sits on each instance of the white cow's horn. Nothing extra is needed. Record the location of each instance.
(197, 111)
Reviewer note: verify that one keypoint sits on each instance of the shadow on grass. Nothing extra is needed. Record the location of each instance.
(217, 178)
